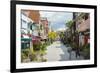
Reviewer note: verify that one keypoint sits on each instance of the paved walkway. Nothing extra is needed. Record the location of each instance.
(59, 52)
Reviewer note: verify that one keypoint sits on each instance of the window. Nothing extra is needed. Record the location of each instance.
(24, 24)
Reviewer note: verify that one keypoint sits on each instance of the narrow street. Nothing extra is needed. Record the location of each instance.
(59, 52)
(39, 28)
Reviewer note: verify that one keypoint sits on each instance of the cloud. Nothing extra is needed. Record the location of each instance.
(47, 14)
(61, 29)
(57, 19)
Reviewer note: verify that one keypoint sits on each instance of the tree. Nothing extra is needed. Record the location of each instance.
(62, 35)
(52, 35)
(69, 23)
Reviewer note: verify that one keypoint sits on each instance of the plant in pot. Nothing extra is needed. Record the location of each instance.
(86, 51)
(43, 52)
(36, 46)
(24, 54)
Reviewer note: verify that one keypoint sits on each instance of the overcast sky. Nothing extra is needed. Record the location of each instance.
(57, 19)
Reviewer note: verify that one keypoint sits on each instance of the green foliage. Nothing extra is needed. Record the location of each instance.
(62, 35)
(25, 51)
(34, 54)
(36, 47)
(86, 50)
(69, 23)
(52, 35)
(44, 60)
(24, 54)
(43, 46)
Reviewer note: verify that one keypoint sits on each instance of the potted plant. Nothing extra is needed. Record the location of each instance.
(86, 51)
